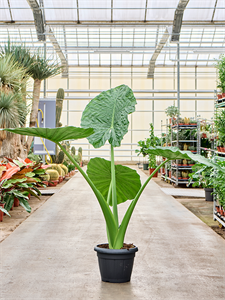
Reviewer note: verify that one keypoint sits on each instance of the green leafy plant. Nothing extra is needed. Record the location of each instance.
(19, 179)
(220, 125)
(144, 145)
(104, 119)
(172, 111)
(220, 65)
(152, 141)
(202, 176)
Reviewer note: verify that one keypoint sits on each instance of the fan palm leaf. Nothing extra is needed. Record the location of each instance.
(12, 75)
(20, 53)
(12, 111)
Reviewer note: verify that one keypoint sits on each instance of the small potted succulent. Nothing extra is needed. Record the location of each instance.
(104, 119)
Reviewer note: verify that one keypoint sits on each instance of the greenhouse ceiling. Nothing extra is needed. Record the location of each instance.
(115, 32)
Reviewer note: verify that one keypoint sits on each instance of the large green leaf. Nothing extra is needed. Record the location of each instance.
(24, 203)
(9, 200)
(11, 182)
(127, 180)
(108, 113)
(55, 135)
(175, 153)
(5, 211)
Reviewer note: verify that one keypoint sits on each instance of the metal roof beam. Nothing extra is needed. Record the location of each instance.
(38, 19)
(155, 55)
(178, 18)
(58, 50)
(214, 10)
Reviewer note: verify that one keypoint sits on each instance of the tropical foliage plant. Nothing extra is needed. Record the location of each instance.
(19, 179)
(104, 119)
(202, 175)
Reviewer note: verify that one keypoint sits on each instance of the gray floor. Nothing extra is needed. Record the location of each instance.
(199, 193)
(50, 255)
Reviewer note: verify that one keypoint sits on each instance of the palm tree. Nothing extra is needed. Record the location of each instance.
(12, 75)
(13, 112)
(13, 109)
(35, 66)
(39, 70)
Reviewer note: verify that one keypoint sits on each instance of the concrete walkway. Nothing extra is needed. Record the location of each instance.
(51, 256)
(195, 193)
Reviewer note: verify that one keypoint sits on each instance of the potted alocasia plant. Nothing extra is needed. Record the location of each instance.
(104, 119)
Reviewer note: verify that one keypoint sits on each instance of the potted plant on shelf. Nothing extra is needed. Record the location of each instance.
(104, 119)
(220, 65)
(203, 176)
(173, 112)
(144, 145)
(220, 126)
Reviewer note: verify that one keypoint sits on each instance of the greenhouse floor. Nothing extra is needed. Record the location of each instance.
(50, 255)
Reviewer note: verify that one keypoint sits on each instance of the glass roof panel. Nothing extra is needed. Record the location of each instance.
(220, 11)
(201, 10)
(99, 10)
(161, 10)
(128, 10)
(57, 10)
(160, 14)
(4, 13)
(126, 59)
(116, 59)
(124, 46)
(21, 14)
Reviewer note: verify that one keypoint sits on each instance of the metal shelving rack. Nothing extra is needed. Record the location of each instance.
(216, 215)
(174, 165)
(165, 177)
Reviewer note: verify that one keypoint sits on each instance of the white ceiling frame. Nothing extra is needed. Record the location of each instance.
(38, 19)
(155, 55)
(178, 18)
(55, 44)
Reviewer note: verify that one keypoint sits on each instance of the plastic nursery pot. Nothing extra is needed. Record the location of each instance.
(53, 183)
(115, 265)
(219, 96)
(45, 182)
(218, 209)
(208, 196)
(1, 212)
(16, 202)
(60, 179)
(223, 95)
(151, 170)
(145, 166)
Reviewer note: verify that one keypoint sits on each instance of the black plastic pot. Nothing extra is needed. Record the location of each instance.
(115, 265)
(208, 196)
(145, 166)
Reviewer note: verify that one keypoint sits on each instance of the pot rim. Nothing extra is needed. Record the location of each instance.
(115, 251)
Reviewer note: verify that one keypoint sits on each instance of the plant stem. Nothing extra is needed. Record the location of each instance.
(113, 183)
(123, 227)
(107, 230)
(109, 219)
